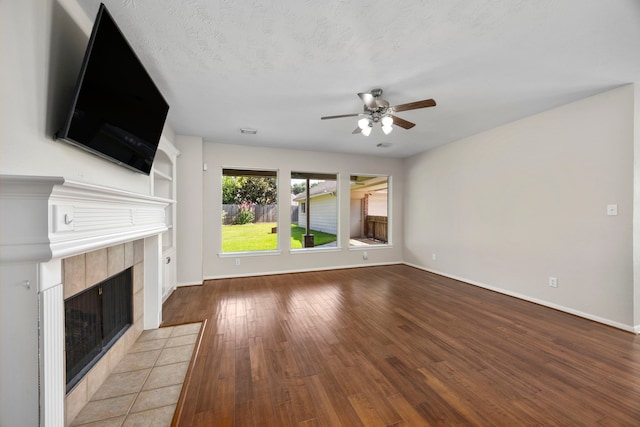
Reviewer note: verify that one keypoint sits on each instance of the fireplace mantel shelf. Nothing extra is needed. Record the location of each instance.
(42, 218)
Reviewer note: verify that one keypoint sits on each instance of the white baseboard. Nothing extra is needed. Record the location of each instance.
(609, 322)
(166, 296)
(179, 285)
(302, 270)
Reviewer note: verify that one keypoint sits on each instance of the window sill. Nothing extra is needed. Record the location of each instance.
(248, 253)
(370, 247)
(314, 250)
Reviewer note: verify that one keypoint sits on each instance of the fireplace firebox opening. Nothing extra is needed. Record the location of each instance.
(94, 320)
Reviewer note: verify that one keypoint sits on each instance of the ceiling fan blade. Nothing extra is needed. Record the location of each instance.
(402, 122)
(415, 105)
(340, 116)
(369, 100)
(357, 130)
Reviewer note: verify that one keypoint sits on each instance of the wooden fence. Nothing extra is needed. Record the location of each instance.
(262, 213)
(376, 228)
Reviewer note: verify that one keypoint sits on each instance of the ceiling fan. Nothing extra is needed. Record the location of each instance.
(377, 110)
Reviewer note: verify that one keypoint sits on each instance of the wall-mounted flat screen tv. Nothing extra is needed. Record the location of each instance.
(117, 111)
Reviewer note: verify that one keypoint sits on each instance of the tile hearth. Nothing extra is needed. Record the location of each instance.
(145, 386)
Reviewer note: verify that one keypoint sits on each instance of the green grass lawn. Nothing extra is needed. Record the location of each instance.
(258, 237)
(320, 238)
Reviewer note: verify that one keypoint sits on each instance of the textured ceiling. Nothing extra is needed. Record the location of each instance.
(278, 66)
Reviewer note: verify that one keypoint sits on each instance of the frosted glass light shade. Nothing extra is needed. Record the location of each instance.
(363, 123)
(367, 131)
(387, 129)
(387, 121)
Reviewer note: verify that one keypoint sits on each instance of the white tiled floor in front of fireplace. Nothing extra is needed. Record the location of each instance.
(145, 386)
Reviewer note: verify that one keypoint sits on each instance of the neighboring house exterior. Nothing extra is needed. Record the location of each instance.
(323, 207)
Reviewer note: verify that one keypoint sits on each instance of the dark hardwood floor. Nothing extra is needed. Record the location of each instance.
(393, 345)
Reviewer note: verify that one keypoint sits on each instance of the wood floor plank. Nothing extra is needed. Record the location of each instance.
(410, 417)
(393, 345)
(263, 403)
(458, 401)
(367, 413)
(302, 401)
(326, 414)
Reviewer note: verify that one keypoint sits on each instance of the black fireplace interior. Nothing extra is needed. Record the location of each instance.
(94, 320)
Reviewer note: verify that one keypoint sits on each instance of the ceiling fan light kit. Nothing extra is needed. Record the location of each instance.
(377, 110)
(364, 123)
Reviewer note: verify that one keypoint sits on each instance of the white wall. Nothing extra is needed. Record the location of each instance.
(41, 50)
(324, 214)
(19, 361)
(189, 210)
(218, 156)
(512, 206)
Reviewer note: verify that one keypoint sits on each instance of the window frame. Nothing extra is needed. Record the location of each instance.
(389, 231)
(320, 176)
(256, 172)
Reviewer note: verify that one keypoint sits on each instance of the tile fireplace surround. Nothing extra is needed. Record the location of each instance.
(58, 237)
(82, 271)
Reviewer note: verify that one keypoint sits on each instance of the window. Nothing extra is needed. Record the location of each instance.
(249, 210)
(369, 208)
(315, 222)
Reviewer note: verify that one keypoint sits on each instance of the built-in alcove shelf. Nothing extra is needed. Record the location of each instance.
(162, 175)
(163, 184)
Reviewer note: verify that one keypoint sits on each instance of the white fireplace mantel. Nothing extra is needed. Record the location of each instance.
(42, 218)
(42, 221)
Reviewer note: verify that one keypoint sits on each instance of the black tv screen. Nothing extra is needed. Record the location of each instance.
(117, 111)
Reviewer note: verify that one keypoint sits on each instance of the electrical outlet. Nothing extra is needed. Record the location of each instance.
(237, 261)
(553, 282)
(365, 255)
(433, 256)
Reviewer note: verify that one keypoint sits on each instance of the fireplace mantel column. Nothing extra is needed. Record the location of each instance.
(52, 372)
(153, 272)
